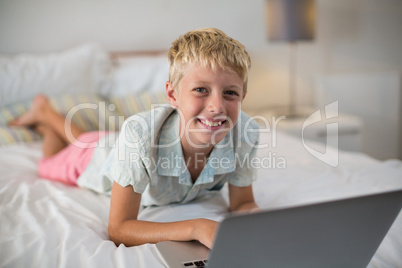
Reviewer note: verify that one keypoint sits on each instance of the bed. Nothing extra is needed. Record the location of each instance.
(50, 224)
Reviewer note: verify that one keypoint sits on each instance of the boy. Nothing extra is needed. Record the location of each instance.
(174, 154)
(169, 154)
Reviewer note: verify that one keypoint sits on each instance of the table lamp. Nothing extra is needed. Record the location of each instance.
(291, 21)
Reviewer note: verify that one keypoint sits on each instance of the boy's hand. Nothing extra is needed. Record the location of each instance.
(205, 231)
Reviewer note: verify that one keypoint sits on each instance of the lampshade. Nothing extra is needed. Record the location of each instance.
(291, 20)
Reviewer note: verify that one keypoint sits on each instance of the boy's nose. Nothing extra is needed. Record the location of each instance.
(215, 104)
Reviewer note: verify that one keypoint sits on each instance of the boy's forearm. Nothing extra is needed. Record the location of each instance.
(248, 206)
(136, 232)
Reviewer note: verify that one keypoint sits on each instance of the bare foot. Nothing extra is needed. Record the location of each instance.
(35, 114)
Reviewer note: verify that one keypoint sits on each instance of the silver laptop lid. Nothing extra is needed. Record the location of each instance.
(342, 233)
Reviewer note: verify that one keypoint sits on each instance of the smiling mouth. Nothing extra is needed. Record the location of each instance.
(212, 123)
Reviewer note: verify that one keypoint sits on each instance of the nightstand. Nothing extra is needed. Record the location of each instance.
(349, 128)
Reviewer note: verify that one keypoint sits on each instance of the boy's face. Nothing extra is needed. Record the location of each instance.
(209, 104)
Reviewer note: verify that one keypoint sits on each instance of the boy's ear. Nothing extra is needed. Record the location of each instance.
(171, 95)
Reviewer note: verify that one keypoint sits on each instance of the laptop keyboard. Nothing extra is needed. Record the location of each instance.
(200, 263)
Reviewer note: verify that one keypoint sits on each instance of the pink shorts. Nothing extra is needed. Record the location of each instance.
(68, 164)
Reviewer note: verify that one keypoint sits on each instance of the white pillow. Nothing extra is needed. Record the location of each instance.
(139, 74)
(79, 70)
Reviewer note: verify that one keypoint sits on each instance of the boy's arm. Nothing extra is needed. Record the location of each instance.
(242, 199)
(124, 228)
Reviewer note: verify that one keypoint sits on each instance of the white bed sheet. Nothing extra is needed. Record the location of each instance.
(49, 224)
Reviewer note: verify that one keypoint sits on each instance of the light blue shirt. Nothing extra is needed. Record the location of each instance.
(148, 155)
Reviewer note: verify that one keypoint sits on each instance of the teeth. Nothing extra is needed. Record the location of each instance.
(211, 123)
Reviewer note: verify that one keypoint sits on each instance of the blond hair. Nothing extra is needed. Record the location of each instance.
(211, 48)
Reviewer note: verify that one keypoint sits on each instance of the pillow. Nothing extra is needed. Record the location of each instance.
(132, 104)
(138, 74)
(78, 70)
(90, 113)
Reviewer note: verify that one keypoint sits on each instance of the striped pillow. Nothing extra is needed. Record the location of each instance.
(88, 111)
(129, 105)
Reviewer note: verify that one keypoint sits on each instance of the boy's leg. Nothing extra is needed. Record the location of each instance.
(41, 112)
(52, 143)
(62, 161)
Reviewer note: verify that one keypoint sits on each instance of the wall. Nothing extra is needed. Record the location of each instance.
(351, 35)
(358, 35)
(43, 25)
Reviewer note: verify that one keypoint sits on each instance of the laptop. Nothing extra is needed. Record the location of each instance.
(340, 233)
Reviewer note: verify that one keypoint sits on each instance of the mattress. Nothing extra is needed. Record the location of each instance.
(49, 224)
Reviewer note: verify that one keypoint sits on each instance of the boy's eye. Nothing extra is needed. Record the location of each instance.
(200, 89)
(231, 93)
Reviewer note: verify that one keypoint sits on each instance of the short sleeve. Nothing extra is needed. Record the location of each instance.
(245, 153)
(126, 162)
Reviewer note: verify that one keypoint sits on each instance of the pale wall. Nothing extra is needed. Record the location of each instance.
(351, 35)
